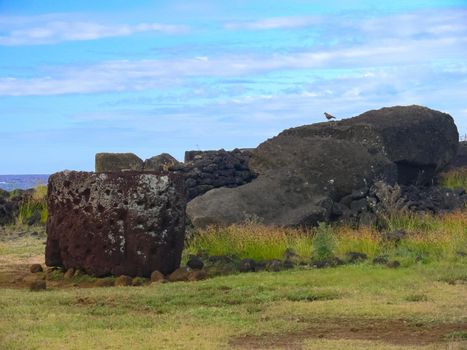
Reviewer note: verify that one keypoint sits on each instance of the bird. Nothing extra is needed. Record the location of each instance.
(328, 116)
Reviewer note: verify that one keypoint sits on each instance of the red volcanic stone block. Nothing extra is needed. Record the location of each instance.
(126, 223)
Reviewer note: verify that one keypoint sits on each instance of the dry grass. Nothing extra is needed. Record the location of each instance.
(430, 238)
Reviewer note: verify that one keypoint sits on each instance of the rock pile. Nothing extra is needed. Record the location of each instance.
(206, 170)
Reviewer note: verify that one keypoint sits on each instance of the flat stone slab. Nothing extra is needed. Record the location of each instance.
(127, 223)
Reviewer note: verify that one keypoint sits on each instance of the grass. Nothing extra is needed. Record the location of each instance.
(455, 178)
(252, 241)
(210, 314)
(430, 238)
(36, 204)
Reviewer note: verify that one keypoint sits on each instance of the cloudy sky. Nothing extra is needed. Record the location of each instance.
(148, 77)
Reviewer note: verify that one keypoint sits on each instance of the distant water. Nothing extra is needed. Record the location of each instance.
(23, 182)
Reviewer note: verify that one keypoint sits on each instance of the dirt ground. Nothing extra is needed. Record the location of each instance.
(397, 332)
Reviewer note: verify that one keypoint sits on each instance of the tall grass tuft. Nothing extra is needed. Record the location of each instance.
(36, 204)
(253, 241)
(455, 178)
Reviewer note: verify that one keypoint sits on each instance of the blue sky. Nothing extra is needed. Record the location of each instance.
(148, 77)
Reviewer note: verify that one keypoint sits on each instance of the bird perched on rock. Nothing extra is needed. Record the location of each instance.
(328, 116)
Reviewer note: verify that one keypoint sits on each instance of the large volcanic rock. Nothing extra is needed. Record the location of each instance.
(115, 223)
(298, 183)
(303, 172)
(419, 140)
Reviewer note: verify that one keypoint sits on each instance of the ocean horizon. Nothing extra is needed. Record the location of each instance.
(22, 181)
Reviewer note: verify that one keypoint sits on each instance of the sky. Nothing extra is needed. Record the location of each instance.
(147, 77)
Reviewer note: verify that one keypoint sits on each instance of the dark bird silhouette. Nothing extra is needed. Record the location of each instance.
(328, 116)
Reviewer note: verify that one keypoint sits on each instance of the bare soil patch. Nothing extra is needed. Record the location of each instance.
(397, 332)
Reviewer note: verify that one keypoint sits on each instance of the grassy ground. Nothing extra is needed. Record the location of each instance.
(349, 307)
(421, 305)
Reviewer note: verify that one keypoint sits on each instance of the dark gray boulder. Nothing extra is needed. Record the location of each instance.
(299, 180)
(419, 140)
(304, 172)
(116, 162)
(115, 223)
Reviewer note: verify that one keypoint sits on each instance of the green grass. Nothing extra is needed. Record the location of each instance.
(430, 238)
(208, 314)
(37, 203)
(455, 178)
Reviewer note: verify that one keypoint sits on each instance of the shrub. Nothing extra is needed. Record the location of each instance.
(323, 243)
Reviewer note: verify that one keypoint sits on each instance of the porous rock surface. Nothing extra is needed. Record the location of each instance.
(206, 170)
(304, 173)
(162, 162)
(115, 223)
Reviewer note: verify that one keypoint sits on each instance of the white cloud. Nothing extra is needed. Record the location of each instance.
(58, 28)
(125, 75)
(275, 23)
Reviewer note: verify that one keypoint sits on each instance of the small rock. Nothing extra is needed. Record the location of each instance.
(380, 260)
(220, 259)
(394, 264)
(197, 275)
(34, 268)
(319, 264)
(247, 265)
(180, 274)
(37, 285)
(69, 273)
(195, 263)
(354, 257)
(274, 266)
(287, 264)
(157, 276)
(123, 281)
(104, 282)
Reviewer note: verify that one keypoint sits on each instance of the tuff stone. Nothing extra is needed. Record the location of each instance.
(116, 162)
(115, 223)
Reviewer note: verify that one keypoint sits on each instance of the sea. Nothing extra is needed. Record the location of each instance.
(23, 182)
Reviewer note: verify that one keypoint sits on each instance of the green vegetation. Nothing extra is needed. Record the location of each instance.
(455, 178)
(250, 240)
(323, 243)
(428, 239)
(213, 314)
(35, 205)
